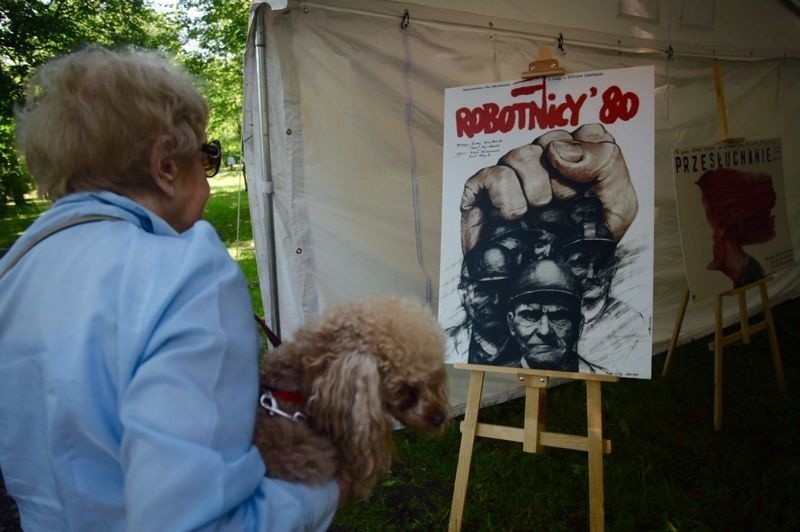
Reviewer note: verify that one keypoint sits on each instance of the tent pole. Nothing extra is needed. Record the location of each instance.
(266, 188)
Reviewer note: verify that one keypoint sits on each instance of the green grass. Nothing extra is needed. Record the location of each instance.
(227, 208)
(668, 470)
(227, 205)
(17, 218)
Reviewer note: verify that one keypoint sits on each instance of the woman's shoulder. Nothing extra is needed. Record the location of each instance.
(195, 253)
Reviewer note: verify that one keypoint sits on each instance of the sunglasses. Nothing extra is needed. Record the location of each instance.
(211, 157)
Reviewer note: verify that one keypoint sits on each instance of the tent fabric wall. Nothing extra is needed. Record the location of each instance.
(355, 102)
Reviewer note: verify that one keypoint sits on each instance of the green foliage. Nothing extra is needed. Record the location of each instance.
(215, 35)
(33, 31)
(14, 182)
(207, 35)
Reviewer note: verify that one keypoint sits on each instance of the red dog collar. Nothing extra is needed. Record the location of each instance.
(292, 397)
(268, 401)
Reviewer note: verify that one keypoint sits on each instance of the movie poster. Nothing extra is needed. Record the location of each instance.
(547, 223)
(732, 214)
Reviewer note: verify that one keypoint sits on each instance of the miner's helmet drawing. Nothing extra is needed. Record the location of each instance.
(549, 226)
(589, 236)
(590, 253)
(499, 229)
(489, 263)
(549, 218)
(585, 208)
(589, 232)
(545, 278)
(487, 274)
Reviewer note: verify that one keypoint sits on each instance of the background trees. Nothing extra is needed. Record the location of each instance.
(213, 36)
(208, 36)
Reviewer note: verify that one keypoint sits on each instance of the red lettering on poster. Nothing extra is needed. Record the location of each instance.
(618, 105)
(542, 110)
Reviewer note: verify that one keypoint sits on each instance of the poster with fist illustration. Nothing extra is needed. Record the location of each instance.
(547, 223)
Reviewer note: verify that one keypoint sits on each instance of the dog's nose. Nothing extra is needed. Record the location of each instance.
(437, 418)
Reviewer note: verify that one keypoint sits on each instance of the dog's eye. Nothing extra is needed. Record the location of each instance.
(409, 396)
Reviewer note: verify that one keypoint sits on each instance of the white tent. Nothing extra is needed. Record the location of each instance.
(343, 129)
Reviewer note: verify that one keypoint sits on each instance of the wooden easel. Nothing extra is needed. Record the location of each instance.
(722, 109)
(745, 328)
(532, 435)
(720, 341)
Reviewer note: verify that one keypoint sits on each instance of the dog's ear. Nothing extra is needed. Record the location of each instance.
(346, 403)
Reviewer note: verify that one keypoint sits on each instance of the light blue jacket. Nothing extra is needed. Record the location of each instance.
(128, 382)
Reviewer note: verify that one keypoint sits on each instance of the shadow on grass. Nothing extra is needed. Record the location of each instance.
(668, 470)
(16, 219)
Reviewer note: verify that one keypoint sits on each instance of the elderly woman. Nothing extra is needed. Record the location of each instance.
(128, 352)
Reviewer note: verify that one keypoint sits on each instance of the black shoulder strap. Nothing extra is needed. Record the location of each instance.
(53, 230)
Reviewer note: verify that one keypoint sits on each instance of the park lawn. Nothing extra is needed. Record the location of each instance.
(227, 210)
(668, 470)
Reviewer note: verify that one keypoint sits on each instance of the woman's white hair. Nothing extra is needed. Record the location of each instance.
(91, 118)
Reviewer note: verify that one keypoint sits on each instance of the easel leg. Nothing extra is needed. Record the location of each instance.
(773, 339)
(744, 320)
(468, 429)
(535, 398)
(718, 365)
(594, 413)
(676, 331)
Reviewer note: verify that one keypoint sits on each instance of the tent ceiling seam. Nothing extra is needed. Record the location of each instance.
(586, 38)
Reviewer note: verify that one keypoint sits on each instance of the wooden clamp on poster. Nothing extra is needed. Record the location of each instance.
(532, 435)
(745, 327)
(544, 65)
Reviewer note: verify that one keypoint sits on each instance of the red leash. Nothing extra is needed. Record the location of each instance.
(274, 339)
(268, 398)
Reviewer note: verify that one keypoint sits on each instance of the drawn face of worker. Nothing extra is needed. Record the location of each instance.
(546, 327)
(511, 235)
(484, 301)
(546, 227)
(542, 242)
(594, 270)
(484, 287)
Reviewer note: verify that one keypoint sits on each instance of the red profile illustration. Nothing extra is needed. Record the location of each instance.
(738, 206)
